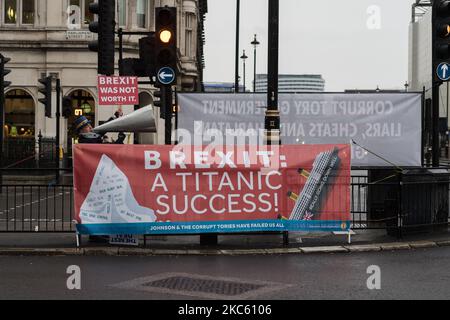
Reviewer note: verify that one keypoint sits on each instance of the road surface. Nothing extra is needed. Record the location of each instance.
(421, 274)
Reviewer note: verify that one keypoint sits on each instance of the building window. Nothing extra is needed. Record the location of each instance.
(10, 12)
(142, 9)
(19, 114)
(189, 22)
(19, 11)
(122, 12)
(28, 11)
(88, 16)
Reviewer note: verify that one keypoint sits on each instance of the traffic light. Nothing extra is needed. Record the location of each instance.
(67, 107)
(3, 73)
(160, 100)
(105, 27)
(144, 66)
(166, 41)
(132, 67)
(147, 46)
(441, 40)
(46, 91)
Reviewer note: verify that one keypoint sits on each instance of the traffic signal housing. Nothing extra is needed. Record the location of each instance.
(166, 53)
(160, 100)
(144, 66)
(46, 91)
(147, 47)
(3, 73)
(105, 28)
(67, 109)
(441, 39)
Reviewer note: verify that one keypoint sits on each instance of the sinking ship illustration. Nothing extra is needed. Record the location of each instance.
(309, 203)
(111, 199)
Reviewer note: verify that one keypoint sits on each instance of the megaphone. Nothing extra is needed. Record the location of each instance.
(142, 120)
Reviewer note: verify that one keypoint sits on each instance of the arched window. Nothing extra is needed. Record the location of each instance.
(19, 114)
(83, 104)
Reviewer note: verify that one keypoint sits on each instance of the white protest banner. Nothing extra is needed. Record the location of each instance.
(388, 125)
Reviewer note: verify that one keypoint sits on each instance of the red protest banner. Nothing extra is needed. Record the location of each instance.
(118, 91)
(184, 189)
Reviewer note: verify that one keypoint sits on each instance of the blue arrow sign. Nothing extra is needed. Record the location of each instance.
(443, 71)
(166, 75)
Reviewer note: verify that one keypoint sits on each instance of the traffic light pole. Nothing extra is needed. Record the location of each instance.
(435, 119)
(272, 121)
(168, 114)
(236, 71)
(3, 85)
(2, 120)
(58, 127)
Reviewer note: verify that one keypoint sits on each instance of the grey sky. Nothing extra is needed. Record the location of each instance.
(325, 37)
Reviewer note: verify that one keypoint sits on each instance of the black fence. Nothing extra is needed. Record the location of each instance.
(36, 208)
(399, 203)
(28, 152)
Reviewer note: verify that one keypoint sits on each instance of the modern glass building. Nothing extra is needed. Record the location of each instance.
(222, 87)
(293, 83)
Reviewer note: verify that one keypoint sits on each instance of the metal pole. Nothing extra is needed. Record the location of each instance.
(168, 114)
(2, 120)
(176, 116)
(58, 126)
(435, 121)
(120, 51)
(422, 154)
(255, 44)
(272, 121)
(245, 89)
(446, 131)
(254, 71)
(236, 73)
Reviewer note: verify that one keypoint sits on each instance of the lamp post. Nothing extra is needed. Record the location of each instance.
(272, 121)
(255, 44)
(244, 57)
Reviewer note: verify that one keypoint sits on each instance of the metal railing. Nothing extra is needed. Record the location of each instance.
(389, 205)
(26, 208)
(27, 152)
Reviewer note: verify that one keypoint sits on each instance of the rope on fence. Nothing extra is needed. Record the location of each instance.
(24, 160)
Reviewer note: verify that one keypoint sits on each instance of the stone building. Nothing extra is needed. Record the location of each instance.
(50, 37)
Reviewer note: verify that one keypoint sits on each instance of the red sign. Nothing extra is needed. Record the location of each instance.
(118, 91)
(184, 189)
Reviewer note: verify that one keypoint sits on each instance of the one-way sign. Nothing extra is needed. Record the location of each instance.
(166, 76)
(443, 71)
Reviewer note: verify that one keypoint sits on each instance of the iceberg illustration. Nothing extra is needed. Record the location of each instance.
(111, 199)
